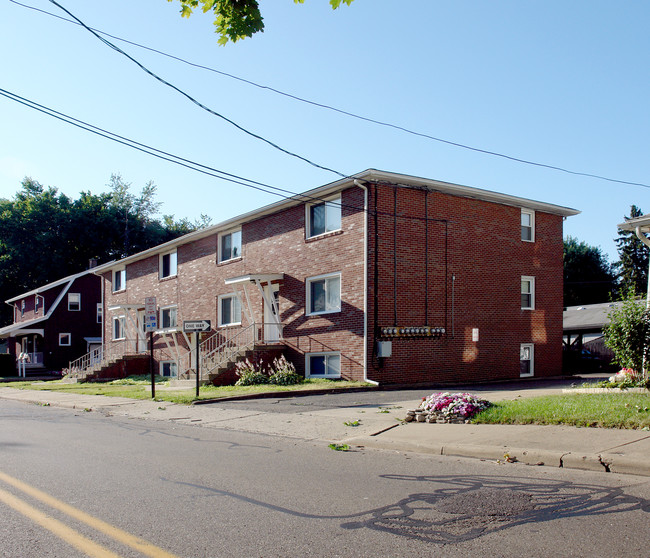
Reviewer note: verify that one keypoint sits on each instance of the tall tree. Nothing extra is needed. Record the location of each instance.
(236, 19)
(45, 235)
(632, 267)
(588, 276)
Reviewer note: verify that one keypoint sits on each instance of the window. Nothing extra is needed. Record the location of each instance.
(119, 280)
(119, 328)
(527, 293)
(168, 264)
(324, 294)
(65, 339)
(527, 225)
(230, 246)
(229, 310)
(22, 308)
(100, 313)
(324, 217)
(323, 365)
(168, 317)
(526, 359)
(74, 302)
(168, 368)
(39, 302)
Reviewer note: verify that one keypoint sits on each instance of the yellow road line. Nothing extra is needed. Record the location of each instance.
(123, 537)
(61, 530)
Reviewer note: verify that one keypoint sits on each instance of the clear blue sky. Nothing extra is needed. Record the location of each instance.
(560, 83)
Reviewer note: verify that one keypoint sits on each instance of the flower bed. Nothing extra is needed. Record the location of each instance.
(447, 408)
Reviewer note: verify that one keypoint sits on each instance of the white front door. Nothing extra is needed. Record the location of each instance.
(142, 333)
(272, 327)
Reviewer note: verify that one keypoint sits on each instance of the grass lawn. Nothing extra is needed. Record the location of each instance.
(625, 410)
(137, 389)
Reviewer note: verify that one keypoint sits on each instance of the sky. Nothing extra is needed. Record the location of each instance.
(564, 84)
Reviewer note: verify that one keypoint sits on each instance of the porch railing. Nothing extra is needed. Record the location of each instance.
(95, 359)
(228, 343)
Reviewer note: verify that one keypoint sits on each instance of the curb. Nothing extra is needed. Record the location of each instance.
(610, 463)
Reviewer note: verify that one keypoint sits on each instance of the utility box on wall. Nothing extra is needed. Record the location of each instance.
(384, 349)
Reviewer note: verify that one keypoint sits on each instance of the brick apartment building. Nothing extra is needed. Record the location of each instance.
(380, 276)
(55, 323)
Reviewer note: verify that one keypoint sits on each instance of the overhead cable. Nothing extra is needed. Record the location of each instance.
(341, 111)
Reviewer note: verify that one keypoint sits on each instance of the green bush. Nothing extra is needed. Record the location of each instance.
(628, 333)
(252, 378)
(283, 373)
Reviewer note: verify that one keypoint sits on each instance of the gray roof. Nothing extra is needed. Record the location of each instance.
(589, 316)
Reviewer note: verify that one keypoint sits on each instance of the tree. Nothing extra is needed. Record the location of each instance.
(45, 235)
(632, 267)
(588, 276)
(628, 333)
(236, 19)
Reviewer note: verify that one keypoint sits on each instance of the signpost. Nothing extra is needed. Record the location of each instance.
(197, 326)
(150, 325)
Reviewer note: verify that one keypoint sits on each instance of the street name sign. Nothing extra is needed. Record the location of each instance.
(196, 325)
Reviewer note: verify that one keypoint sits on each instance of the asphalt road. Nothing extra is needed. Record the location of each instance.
(200, 492)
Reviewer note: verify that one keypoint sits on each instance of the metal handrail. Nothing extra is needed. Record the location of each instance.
(98, 357)
(234, 341)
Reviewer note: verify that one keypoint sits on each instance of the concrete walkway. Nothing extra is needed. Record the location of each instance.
(598, 449)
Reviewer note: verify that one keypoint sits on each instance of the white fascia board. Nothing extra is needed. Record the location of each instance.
(467, 191)
(631, 224)
(49, 286)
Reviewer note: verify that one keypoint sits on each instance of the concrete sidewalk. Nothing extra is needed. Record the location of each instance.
(607, 450)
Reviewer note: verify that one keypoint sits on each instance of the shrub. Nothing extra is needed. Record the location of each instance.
(628, 333)
(249, 374)
(283, 373)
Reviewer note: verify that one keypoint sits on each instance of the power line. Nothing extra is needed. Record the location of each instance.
(341, 111)
(193, 100)
(198, 167)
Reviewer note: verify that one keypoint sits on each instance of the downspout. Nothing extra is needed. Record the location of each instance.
(643, 238)
(365, 283)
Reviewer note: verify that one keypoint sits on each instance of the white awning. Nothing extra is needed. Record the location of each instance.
(21, 328)
(254, 277)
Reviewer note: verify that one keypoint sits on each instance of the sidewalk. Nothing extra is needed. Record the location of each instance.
(607, 450)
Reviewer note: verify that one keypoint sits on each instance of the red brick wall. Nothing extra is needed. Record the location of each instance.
(459, 264)
(270, 244)
(473, 270)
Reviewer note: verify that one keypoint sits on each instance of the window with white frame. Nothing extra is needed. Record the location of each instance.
(100, 313)
(526, 359)
(324, 294)
(65, 339)
(230, 245)
(119, 280)
(229, 310)
(527, 225)
(119, 328)
(39, 302)
(527, 293)
(22, 308)
(323, 217)
(168, 368)
(74, 302)
(323, 365)
(168, 317)
(168, 264)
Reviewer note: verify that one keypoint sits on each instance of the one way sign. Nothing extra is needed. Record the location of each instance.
(196, 325)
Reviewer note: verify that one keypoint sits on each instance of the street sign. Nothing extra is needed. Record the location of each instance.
(196, 325)
(150, 314)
